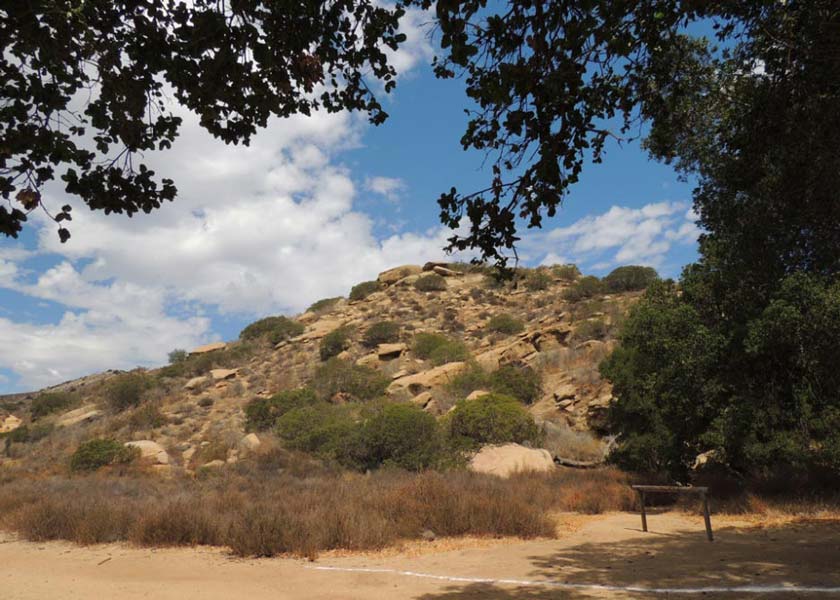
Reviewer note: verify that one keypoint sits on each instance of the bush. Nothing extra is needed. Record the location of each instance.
(566, 272)
(324, 429)
(126, 391)
(382, 332)
(364, 289)
(431, 283)
(262, 413)
(274, 329)
(323, 304)
(523, 383)
(46, 404)
(537, 280)
(505, 323)
(334, 343)
(586, 287)
(400, 435)
(591, 329)
(94, 454)
(147, 416)
(492, 419)
(336, 375)
(630, 278)
(177, 356)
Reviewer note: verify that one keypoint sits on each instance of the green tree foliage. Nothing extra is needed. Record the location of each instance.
(538, 280)
(127, 390)
(51, 402)
(325, 429)
(565, 272)
(439, 349)
(360, 382)
(431, 283)
(360, 291)
(334, 343)
(584, 289)
(381, 332)
(492, 419)
(98, 453)
(177, 356)
(234, 64)
(273, 329)
(400, 435)
(261, 414)
(630, 278)
(505, 323)
(522, 383)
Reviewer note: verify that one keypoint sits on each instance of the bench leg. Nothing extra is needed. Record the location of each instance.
(644, 515)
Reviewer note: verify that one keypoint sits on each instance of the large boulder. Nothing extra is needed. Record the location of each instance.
(83, 414)
(507, 459)
(319, 329)
(392, 276)
(10, 423)
(427, 379)
(223, 374)
(150, 451)
(208, 348)
(390, 351)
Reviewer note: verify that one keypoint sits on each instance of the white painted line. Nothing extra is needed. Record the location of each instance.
(738, 589)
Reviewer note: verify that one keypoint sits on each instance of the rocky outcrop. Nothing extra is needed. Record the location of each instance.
(150, 451)
(10, 423)
(507, 459)
(208, 348)
(83, 414)
(390, 351)
(223, 374)
(392, 276)
(414, 384)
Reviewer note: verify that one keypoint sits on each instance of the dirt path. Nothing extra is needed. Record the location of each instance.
(607, 551)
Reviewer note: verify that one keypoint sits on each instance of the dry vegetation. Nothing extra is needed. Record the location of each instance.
(285, 503)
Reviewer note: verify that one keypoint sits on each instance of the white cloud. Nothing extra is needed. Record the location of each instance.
(389, 187)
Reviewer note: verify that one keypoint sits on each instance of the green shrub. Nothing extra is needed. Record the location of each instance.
(425, 343)
(262, 413)
(451, 351)
(538, 280)
(492, 419)
(274, 329)
(126, 390)
(523, 383)
(505, 323)
(591, 329)
(586, 287)
(322, 428)
(400, 435)
(467, 381)
(46, 404)
(177, 356)
(334, 343)
(382, 332)
(336, 375)
(364, 289)
(630, 278)
(147, 416)
(94, 454)
(323, 304)
(431, 283)
(566, 272)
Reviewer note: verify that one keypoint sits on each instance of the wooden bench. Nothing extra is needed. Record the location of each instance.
(675, 489)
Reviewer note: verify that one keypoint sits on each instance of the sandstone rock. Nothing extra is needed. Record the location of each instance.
(477, 394)
(319, 329)
(508, 459)
(433, 408)
(188, 454)
(368, 360)
(249, 443)
(10, 423)
(194, 382)
(150, 451)
(390, 351)
(392, 276)
(430, 266)
(223, 374)
(508, 353)
(597, 411)
(422, 381)
(567, 391)
(214, 464)
(407, 281)
(444, 272)
(83, 414)
(422, 399)
(400, 373)
(208, 348)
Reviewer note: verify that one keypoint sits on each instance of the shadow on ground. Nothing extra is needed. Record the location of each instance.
(805, 553)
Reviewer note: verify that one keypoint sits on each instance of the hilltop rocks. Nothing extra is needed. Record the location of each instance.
(10, 423)
(444, 272)
(319, 329)
(208, 348)
(390, 351)
(422, 381)
(392, 276)
(505, 460)
(223, 374)
(83, 414)
(150, 451)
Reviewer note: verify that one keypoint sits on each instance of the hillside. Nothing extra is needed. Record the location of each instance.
(544, 336)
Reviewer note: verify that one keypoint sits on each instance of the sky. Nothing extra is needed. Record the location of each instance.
(313, 206)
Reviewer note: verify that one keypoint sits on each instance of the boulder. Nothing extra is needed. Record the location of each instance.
(390, 351)
(426, 379)
(422, 399)
(597, 411)
(319, 329)
(514, 351)
(195, 382)
(223, 374)
(430, 266)
(368, 360)
(507, 459)
(10, 423)
(444, 272)
(392, 276)
(83, 414)
(208, 348)
(150, 451)
(214, 464)
(567, 391)
(407, 281)
(249, 443)
(477, 394)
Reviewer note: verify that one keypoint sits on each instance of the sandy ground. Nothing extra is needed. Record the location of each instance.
(607, 550)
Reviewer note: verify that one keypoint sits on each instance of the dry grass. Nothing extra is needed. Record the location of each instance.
(275, 506)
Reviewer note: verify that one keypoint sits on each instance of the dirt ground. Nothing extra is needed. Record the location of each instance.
(591, 555)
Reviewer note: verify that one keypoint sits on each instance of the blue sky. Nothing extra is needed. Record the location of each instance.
(313, 206)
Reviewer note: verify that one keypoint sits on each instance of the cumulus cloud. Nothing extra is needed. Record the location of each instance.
(389, 187)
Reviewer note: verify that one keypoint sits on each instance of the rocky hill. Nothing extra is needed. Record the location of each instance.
(437, 333)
